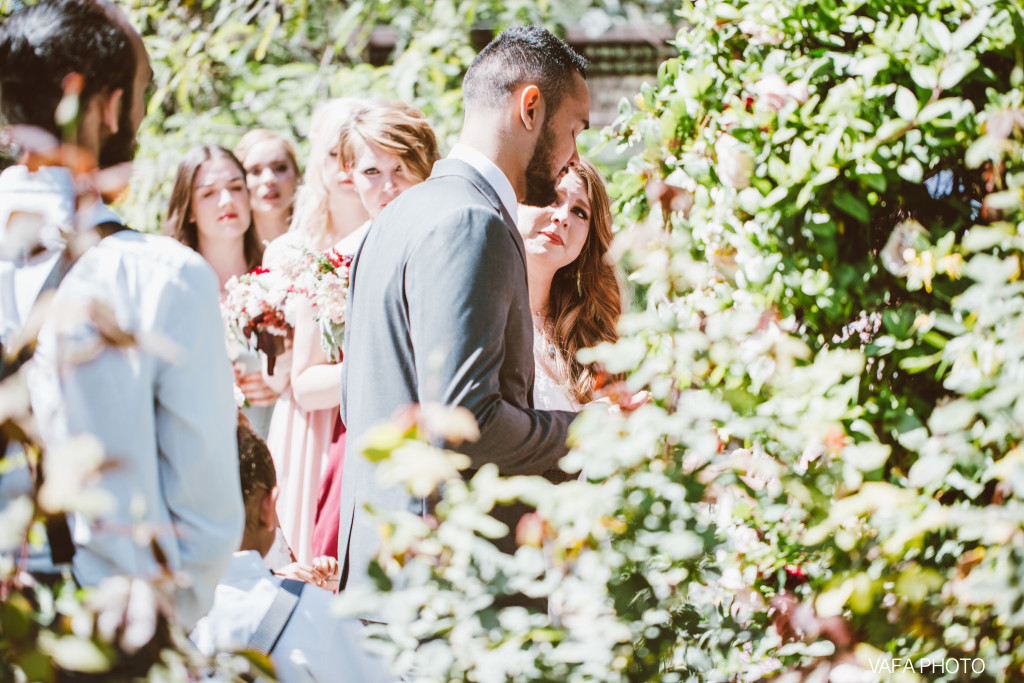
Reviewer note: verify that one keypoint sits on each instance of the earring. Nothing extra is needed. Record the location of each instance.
(579, 284)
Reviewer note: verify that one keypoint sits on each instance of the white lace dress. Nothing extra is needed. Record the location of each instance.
(548, 394)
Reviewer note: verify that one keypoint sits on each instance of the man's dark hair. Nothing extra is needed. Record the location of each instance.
(41, 44)
(520, 55)
(255, 466)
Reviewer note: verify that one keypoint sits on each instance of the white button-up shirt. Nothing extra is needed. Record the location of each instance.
(494, 176)
(163, 411)
(314, 646)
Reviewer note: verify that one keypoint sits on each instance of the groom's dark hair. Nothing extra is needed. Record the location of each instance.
(520, 55)
(43, 43)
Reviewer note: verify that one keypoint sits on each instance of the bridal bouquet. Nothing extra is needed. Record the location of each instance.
(330, 269)
(256, 312)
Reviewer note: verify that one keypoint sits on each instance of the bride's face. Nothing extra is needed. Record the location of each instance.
(554, 235)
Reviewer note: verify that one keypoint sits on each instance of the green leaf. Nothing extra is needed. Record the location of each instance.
(825, 175)
(953, 416)
(897, 322)
(852, 205)
(268, 35)
(868, 67)
(820, 648)
(381, 441)
(915, 364)
(969, 31)
(955, 72)
(890, 129)
(926, 77)
(742, 401)
(911, 170)
(906, 104)
(380, 578)
(936, 33)
(938, 108)
(36, 666)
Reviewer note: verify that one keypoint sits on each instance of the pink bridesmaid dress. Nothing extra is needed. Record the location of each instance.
(299, 442)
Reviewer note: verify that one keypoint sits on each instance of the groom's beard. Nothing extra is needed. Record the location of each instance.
(540, 184)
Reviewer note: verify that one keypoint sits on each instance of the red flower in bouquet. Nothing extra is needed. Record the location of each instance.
(255, 312)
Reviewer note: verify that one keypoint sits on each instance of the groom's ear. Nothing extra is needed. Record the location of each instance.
(531, 107)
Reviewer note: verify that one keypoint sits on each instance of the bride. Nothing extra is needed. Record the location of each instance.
(575, 294)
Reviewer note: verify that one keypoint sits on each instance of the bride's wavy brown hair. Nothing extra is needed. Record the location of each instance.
(586, 296)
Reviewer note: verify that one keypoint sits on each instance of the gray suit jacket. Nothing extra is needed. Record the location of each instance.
(439, 311)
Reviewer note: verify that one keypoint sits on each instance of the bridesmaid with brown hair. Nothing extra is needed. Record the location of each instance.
(209, 212)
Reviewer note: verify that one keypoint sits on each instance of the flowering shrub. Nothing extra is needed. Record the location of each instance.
(824, 228)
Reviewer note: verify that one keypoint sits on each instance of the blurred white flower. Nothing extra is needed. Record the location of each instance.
(14, 398)
(899, 249)
(15, 518)
(735, 162)
(22, 234)
(126, 611)
(69, 470)
(764, 30)
(453, 424)
(73, 653)
(420, 467)
(775, 93)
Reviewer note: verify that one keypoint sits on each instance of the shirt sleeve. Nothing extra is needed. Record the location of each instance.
(460, 284)
(196, 421)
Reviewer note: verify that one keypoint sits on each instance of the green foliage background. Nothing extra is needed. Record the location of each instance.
(825, 225)
(225, 67)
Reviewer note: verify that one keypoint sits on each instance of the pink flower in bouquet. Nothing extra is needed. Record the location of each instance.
(255, 311)
(328, 293)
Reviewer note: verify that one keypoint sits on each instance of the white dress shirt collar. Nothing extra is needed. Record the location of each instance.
(245, 564)
(48, 193)
(491, 173)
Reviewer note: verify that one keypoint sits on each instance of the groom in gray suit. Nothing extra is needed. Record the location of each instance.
(438, 309)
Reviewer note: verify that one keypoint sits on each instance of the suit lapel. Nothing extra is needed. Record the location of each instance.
(459, 168)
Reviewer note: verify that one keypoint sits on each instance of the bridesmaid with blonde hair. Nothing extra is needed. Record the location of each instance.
(327, 209)
(272, 174)
(386, 148)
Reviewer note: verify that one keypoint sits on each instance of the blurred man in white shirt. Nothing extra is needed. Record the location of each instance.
(166, 421)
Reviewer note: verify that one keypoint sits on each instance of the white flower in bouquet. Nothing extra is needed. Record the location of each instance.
(328, 293)
(255, 312)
